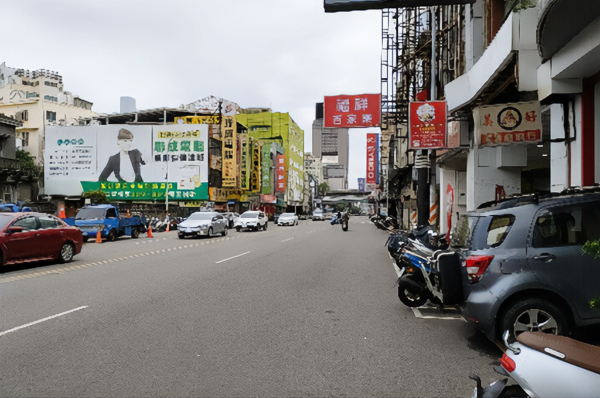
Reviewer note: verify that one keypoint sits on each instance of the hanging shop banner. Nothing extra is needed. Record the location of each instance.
(427, 124)
(267, 163)
(268, 198)
(245, 164)
(361, 185)
(280, 174)
(372, 158)
(128, 162)
(226, 195)
(507, 124)
(351, 111)
(255, 171)
(229, 171)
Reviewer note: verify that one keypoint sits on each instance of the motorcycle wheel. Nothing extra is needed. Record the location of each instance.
(344, 225)
(409, 298)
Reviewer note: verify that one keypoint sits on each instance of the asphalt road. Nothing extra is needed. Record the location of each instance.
(308, 310)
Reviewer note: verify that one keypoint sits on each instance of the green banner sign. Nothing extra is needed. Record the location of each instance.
(145, 190)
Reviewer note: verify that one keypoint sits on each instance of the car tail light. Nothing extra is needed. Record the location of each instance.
(476, 266)
(508, 363)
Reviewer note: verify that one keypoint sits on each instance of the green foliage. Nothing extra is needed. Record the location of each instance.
(97, 197)
(593, 249)
(519, 5)
(323, 188)
(27, 164)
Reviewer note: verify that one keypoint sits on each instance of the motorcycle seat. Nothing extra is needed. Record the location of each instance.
(575, 352)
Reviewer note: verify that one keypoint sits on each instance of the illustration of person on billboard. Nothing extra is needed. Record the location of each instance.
(126, 165)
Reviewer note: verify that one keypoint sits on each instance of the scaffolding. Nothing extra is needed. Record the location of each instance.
(406, 57)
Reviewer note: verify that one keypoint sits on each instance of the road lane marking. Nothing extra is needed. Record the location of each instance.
(231, 258)
(42, 320)
(285, 240)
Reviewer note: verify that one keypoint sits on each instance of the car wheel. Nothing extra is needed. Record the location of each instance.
(224, 233)
(532, 315)
(238, 229)
(210, 232)
(67, 251)
(112, 236)
(135, 234)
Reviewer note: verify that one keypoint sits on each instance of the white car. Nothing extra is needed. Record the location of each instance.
(252, 219)
(287, 219)
(202, 223)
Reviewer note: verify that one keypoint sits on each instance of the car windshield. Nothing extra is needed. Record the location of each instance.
(201, 216)
(4, 220)
(90, 214)
(287, 215)
(319, 212)
(250, 215)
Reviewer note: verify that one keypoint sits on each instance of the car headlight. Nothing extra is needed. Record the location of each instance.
(204, 226)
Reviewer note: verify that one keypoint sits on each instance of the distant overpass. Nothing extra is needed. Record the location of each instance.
(346, 195)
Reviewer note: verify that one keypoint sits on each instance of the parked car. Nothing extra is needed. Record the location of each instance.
(318, 215)
(26, 237)
(287, 219)
(523, 268)
(231, 218)
(203, 223)
(252, 219)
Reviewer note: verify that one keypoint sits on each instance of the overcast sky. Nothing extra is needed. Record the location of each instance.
(282, 54)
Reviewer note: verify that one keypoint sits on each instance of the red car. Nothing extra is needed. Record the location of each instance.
(26, 237)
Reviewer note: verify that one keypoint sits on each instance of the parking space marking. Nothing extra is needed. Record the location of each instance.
(231, 258)
(42, 320)
(418, 314)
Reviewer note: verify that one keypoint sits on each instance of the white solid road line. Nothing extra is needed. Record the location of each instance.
(42, 320)
(230, 258)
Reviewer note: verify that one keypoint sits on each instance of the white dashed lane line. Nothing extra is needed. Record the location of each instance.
(42, 320)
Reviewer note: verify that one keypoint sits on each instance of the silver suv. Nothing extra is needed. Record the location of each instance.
(523, 268)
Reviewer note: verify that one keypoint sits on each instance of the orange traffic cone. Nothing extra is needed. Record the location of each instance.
(98, 237)
(62, 214)
(168, 225)
(150, 232)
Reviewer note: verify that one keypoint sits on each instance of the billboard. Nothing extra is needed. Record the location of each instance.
(229, 162)
(361, 185)
(128, 162)
(427, 124)
(372, 158)
(356, 5)
(351, 111)
(280, 174)
(506, 124)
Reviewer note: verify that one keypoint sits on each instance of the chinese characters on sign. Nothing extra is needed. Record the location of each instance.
(71, 155)
(229, 162)
(504, 124)
(245, 164)
(427, 124)
(280, 174)
(350, 111)
(372, 158)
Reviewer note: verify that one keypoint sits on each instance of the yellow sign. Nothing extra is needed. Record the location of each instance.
(229, 159)
(211, 119)
(193, 203)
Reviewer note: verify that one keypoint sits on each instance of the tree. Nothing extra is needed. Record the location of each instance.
(97, 197)
(27, 164)
(323, 188)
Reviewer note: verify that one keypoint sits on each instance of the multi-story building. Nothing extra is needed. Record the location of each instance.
(10, 177)
(331, 145)
(38, 99)
(282, 157)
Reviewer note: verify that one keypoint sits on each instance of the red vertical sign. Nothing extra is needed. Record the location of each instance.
(371, 158)
(427, 124)
(280, 175)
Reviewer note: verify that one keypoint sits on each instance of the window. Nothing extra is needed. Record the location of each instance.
(111, 213)
(28, 223)
(567, 225)
(25, 138)
(50, 98)
(49, 222)
(50, 116)
(499, 229)
(22, 116)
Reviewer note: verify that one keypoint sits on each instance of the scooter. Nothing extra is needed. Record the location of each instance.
(545, 365)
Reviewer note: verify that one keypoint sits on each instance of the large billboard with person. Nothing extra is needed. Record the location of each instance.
(128, 162)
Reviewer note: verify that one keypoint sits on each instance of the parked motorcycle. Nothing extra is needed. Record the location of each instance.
(545, 365)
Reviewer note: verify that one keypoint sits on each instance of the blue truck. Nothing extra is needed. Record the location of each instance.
(106, 218)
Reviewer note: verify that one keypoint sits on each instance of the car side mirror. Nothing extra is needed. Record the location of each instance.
(15, 228)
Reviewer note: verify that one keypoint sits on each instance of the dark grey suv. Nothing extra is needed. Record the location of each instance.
(523, 267)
